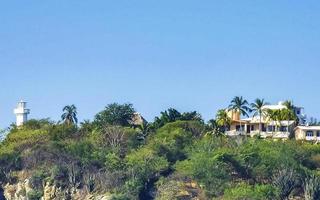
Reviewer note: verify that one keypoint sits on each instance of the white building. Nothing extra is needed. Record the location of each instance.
(309, 133)
(21, 113)
(274, 129)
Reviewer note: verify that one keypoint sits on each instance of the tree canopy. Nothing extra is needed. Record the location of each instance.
(115, 114)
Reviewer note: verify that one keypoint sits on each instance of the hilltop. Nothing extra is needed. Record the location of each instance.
(178, 156)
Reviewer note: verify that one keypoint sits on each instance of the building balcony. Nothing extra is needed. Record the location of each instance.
(235, 133)
(263, 134)
(312, 138)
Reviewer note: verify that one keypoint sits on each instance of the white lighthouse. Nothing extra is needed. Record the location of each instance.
(21, 113)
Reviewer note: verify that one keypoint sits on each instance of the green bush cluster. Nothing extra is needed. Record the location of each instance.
(109, 156)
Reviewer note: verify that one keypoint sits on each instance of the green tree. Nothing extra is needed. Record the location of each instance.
(115, 114)
(167, 116)
(240, 105)
(258, 109)
(223, 119)
(289, 112)
(214, 128)
(70, 115)
(275, 116)
(191, 116)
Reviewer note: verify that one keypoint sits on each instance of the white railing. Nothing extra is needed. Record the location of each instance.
(278, 134)
(235, 133)
(312, 138)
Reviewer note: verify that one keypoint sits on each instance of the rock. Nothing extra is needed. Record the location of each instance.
(17, 191)
(20, 190)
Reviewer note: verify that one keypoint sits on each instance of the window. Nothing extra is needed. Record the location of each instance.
(271, 128)
(252, 127)
(238, 127)
(318, 133)
(264, 128)
(283, 129)
(309, 134)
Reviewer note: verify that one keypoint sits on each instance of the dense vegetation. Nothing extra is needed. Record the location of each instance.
(178, 156)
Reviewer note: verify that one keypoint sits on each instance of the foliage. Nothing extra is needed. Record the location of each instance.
(240, 105)
(34, 124)
(115, 114)
(171, 139)
(252, 192)
(312, 187)
(34, 195)
(285, 180)
(142, 164)
(69, 115)
(37, 179)
(168, 189)
(222, 119)
(108, 156)
(172, 115)
(258, 110)
(209, 169)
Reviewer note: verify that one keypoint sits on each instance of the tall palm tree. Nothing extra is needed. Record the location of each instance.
(272, 116)
(288, 104)
(214, 128)
(289, 113)
(70, 114)
(223, 119)
(240, 105)
(257, 108)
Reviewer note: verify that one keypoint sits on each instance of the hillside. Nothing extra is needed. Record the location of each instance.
(173, 159)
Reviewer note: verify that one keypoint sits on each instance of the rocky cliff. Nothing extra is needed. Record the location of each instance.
(23, 190)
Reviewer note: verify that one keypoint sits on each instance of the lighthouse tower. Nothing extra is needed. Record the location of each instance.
(21, 113)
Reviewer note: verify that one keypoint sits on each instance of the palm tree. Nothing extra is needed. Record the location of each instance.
(240, 105)
(289, 112)
(214, 128)
(70, 114)
(271, 116)
(223, 119)
(257, 108)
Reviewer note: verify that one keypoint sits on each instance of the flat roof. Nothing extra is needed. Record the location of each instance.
(308, 127)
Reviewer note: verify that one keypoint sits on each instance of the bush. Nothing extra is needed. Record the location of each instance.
(34, 195)
(212, 173)
(34, 124)
(37, 179)
(59, 175)
(245, 191)
(142, 165)
(170, 140)
(62, 131)
(285, 180)
(312, 188)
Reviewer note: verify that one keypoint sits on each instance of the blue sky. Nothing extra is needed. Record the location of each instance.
(191, 55)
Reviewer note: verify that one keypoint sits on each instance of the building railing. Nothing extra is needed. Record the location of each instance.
(263, 134)
(312, 138)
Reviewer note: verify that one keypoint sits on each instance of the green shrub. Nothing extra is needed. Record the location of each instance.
(209, 169)
(60, 132)
(37, 179)
(59, 175)
(113, 162)
(245, 191)
(34, 195)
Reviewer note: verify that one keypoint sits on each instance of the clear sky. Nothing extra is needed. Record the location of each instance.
(191, 55)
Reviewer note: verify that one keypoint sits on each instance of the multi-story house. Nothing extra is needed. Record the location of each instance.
(269, 128)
